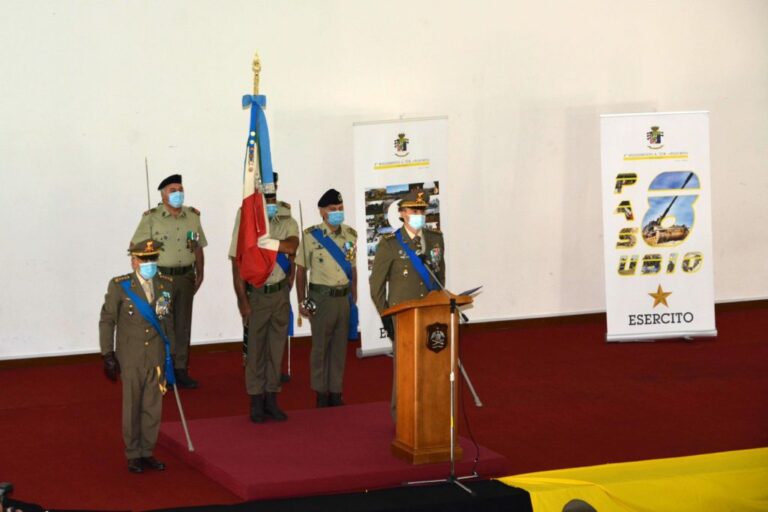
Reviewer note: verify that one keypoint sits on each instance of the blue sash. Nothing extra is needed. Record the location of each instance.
(417, 263)
(346, 266)
(149, 315)
(284, 263)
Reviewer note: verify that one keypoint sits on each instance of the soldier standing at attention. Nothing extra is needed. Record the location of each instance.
(178, 228)
(327, 251)
(265, 312)
(137, 353)
(399, 270)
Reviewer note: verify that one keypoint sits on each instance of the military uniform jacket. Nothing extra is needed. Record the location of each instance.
(172, 231)
(392, 265)
(324, 269)
(137, 344)
(281, 226)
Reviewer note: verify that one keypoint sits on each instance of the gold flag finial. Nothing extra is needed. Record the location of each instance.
(256, 71)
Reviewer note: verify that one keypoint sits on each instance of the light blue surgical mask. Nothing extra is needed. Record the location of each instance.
(336, 218)
(176, 199)
(271, 210)
(416, 221)
(148, 269)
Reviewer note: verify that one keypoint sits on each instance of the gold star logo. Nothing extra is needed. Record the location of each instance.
(660, 297)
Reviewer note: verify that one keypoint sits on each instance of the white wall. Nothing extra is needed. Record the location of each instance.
(89, 88)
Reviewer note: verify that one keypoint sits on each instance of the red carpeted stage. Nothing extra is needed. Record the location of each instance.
(555, 396)
(319, 451)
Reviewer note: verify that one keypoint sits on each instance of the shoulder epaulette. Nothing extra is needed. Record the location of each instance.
(151, 210)
(310, 229)
(432, 230)
(351, 230)
(194, 210)
(120, 279)
(389, 236)
(284, 204)
(165, 277)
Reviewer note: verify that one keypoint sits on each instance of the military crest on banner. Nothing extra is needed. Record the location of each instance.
(654, 138)
(401, 145)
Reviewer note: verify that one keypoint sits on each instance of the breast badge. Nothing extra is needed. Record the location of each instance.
(435, 255)
(163, 304)
(350, 249)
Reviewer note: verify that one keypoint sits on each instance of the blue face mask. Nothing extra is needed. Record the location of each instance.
(335, 218)
(148, 269)
(271, 210)
(176, 199)
(416, 221)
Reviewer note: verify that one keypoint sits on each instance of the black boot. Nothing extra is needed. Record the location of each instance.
(257, 408)
(183, 379)
(334, 399)
(272, 410)
(322, 400)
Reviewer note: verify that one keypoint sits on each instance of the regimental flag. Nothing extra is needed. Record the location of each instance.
(256, 251)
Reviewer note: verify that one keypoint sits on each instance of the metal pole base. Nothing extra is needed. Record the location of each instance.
(449, 480)
(475, 396)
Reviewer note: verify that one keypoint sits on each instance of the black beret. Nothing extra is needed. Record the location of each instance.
(173, 178)
(270, 196)
(333, 196)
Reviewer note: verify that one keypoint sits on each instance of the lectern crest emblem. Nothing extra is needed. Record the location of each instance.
(437, 337)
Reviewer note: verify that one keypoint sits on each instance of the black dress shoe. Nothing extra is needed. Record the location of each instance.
(183, 380)
(322, 400)
(272, 410)
(152, 463)
(334, 400)
(257, 408)
(134, 466)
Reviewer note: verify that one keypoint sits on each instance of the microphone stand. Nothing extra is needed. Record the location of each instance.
(464, 318)
(452, 478)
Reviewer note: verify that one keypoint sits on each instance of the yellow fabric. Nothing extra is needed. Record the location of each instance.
(735, 480)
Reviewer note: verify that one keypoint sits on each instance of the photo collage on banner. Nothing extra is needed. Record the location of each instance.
(657, 226)
(391, 158)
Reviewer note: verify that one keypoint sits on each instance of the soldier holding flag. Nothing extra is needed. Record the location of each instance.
(265, 311)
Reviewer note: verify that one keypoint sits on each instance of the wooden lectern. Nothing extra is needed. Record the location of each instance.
(422, 373)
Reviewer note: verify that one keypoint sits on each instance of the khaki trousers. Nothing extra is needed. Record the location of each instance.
(267, 335)
(330, 327)
(142, 411)
(184, 286)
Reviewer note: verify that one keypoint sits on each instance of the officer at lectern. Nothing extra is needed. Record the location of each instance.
(404, 260)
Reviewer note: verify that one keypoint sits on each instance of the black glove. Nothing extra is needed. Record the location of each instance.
(111, 366)
(389, 326)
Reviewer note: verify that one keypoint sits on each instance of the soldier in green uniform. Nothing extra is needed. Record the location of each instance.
(327, 252)
(394, 277)
(178, 228)
(137, 352)
(265, 312)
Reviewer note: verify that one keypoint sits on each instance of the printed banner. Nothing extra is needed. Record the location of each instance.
(391, 158)
(657, 226)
